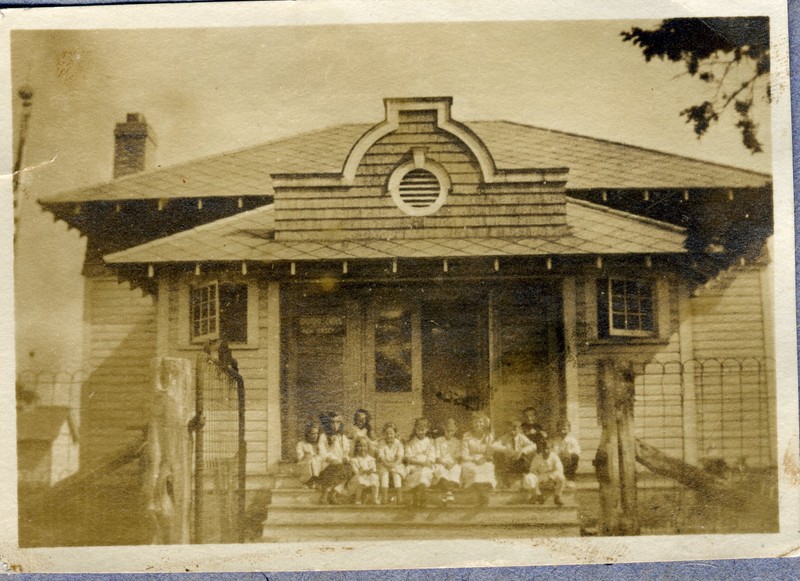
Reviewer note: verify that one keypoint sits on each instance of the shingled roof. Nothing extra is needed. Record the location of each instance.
(247, 236)
(594, 164)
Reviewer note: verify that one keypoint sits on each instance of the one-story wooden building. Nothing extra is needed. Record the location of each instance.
(423, 266)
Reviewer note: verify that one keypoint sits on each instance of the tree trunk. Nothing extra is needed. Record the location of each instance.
(615, 462)
(695, 478)
(168, 479)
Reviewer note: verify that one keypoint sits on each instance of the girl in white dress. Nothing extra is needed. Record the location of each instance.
(420, 455)
(362, 428)
(334, 449)
(309, 462)
(365, 472)
(477, 468)
(390, 463)
(447, 470)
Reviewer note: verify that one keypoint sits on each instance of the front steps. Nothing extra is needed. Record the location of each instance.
(295, 514)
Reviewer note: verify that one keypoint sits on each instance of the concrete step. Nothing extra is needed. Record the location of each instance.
(396, 531)
(287, 497)
(453, 516)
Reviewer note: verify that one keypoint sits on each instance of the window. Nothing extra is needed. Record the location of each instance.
(419, 187)
(626, 307)
(393, 350)
(218, 311)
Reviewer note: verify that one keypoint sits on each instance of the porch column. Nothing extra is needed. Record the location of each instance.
(273, 374)
(685, 334)
(569, 298)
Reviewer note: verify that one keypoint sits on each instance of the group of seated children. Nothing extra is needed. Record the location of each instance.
(353, 463)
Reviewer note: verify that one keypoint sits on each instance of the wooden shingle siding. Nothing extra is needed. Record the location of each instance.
(122, 340)
(365, 209)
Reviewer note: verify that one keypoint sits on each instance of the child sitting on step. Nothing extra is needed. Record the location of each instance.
(420, 454)
(447, 470)
(365, 473)
(568, 449)
(390, 463)
(512, 454)
(309, 461)
(546, 472)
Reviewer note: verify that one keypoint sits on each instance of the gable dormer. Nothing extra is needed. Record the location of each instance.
(420, 174)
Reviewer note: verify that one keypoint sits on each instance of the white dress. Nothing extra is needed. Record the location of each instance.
(309, 462)
(473, 450)
(448, 452)
(365, 473)
(420, 454)
(390, 457)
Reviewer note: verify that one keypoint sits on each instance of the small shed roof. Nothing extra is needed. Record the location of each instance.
(43, 423)
(592, 229)
(593, 163)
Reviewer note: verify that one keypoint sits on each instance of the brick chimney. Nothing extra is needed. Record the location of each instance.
(133, 146)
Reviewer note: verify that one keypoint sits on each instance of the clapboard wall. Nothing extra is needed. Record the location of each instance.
(252, 358)
(120, 343)
(733, 378)
(658, 415)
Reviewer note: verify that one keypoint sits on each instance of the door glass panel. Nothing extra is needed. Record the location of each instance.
(393, 350)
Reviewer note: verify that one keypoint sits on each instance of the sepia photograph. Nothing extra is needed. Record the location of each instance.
(496, 281)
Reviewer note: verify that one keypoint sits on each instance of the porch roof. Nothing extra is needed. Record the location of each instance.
(592, 229)
(594, 164)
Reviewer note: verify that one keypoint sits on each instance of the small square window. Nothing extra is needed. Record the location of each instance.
(626, 307)
(218, 311)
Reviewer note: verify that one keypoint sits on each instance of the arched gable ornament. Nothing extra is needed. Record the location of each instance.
(442, 107)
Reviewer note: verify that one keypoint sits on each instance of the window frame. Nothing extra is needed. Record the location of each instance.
(663, 313)
(622, 332)
(184, 319)
(210, 335)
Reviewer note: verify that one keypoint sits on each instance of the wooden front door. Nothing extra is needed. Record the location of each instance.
(455, 359)
(527, 354)
(319, 375)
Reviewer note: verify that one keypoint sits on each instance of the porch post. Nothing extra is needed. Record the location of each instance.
(273, 374)
(689, 395)
(616, 456)
(571, 386)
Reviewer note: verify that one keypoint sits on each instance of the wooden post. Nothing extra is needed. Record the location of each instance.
(626, 440)
(168, 478)
(615, 462)
(607, 458)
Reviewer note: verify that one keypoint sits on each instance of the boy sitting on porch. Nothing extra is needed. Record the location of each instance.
(420, 455)
(512, 455)
(546, 472)
(390, 463)
(447, 471)
(365, 472)
(568, 449)
(309, 462)
(531, 426)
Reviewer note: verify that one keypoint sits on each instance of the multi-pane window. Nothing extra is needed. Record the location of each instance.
(204, 318)
(218, 311)
(626, 307)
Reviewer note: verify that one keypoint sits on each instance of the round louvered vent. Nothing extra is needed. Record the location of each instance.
(419, 191)
(419, 188)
